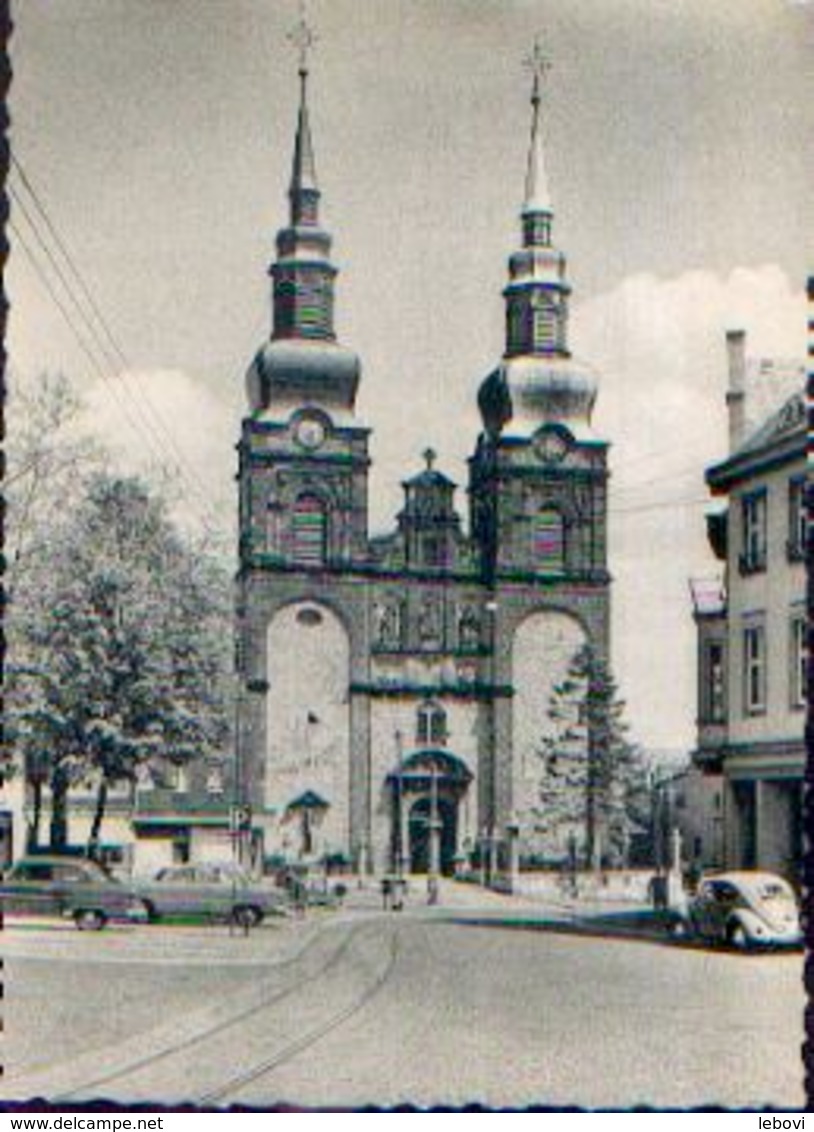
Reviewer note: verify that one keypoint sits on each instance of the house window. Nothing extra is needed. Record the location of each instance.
(753, 554)
(549, 540)
(798, 520)
(309, 529)
(754, 669)
(797, 663)
(713, 690)
(431, 726)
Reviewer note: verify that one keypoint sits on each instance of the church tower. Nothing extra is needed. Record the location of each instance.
(394, 689)
(309, 509)
(538, 488)
(303, 472)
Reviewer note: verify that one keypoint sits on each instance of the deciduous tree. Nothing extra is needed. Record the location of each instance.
(129, 652)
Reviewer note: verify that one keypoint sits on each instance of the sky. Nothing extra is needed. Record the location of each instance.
(158, 136)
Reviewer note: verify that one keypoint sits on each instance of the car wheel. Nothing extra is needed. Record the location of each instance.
(738, 937)
(247, 916)
(150, 912)
(89, 919)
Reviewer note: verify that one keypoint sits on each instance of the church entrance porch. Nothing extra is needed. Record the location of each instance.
(426, 791)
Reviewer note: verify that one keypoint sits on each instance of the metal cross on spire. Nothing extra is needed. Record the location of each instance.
(303, 37)
(539, 64)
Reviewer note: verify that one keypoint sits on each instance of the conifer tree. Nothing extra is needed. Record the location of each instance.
(592, 783)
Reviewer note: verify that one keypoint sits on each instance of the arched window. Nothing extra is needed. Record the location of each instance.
(549, 540)
(431, 726)
(309, 531)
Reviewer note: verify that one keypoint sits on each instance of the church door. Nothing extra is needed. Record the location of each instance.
(419, 835)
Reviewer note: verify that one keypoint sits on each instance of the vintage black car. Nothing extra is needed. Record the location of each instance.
(67, 887)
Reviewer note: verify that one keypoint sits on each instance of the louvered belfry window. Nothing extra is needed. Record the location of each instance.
(309, 529)
(549, 540)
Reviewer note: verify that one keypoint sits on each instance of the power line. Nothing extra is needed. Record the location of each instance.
(659, 506)
(141, 406)
(642, 485)
(101, 369)
(106, 341)
(69, 319)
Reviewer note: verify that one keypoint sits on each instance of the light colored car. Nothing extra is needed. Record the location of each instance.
(212, 891)
(745, 909)
(71, 887)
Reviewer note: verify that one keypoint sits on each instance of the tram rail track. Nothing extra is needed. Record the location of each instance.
(113, 1082)
(305, 1041)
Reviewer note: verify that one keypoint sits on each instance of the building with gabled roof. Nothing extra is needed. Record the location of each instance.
(752, 630)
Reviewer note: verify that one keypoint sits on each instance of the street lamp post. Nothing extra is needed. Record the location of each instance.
(513, 864)
(490, 848)
(435, 838)
(493, 847)
(398, 832)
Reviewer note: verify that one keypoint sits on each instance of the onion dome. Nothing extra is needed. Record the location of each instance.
(538, 382)
(302, 363)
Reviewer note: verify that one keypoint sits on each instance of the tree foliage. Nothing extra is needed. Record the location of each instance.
(48, 458)
(123, 659)
(593, 786)
(48, 462)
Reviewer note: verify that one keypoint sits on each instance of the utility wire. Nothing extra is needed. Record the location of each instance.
(642, 485)
(141, 405)
(660, 506)
(106, 341)
(98, 368)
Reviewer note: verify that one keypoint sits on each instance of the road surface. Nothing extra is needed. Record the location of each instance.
(377, 1008)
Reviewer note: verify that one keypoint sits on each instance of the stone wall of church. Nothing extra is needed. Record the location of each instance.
(283, 680)
(308, 726)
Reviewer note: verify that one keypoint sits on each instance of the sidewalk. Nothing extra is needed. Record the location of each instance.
(583, 915)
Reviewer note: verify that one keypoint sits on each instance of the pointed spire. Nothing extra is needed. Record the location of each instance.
(537, 293)
(303, 169)
(303, 273)
(537, 197)
(303, 191)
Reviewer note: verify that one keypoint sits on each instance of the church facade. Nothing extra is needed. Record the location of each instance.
(395, 684)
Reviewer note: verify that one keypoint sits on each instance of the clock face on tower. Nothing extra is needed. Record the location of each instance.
(309, 433)
(551, 447)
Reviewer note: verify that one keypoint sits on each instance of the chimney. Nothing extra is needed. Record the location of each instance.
(736, 389)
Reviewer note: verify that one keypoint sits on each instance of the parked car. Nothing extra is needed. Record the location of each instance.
(745, 909)
(69, 887)
(216, 892)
